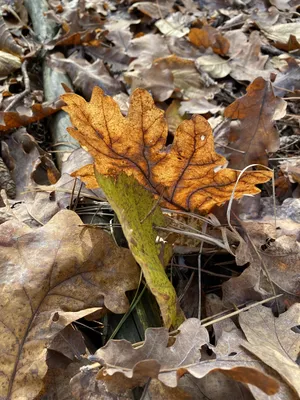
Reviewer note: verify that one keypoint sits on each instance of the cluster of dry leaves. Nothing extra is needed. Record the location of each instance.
(182, 95)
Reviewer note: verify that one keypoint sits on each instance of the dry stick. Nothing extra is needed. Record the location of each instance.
(199, 272)
(159, 10)
(72, 194)
(78, 195)
(232, 314)
(146, 387)
(244, 309)
(198, 236)
(45, 189)
(26, 84)
(187, 286)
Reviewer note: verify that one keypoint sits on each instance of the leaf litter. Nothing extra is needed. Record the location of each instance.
(173, 99)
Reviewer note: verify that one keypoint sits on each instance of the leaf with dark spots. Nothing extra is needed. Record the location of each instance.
(189, 175)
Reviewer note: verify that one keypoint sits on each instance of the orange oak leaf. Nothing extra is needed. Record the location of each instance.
(254, 134)
(209, 36)
(188, 176)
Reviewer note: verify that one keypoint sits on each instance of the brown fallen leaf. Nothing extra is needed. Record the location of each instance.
(158, 80)
(75, 24)
(57, 381)
(50, 277)
(84, 385)
(273, 341)
(230, 340)
(184, 176)
(292, 44)
(279, 257)
(288, 80)
(142, 49)
(28, 162)
(175, 24)
(168, 364)
(246, 60)
(153, 9)
(254, 134)
(187, 79)
(215, 385)
(15, 119)
(282, 32)
(208, 36)
(69, 344)
(85, 75)
(115, 56)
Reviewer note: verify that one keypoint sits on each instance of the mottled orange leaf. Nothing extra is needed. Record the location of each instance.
(254, 135)
(188, 176)
(208, 36)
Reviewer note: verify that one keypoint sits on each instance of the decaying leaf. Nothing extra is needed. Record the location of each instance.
(175, 24)
(155, 78)
(281, 32)
(288, 81)
(254, 134)
(280, 259)
(153, 9)
(185, 176)
(198, 106)
(115, 56)
(14, 119)
(85, 75)
(154, 359)
(136, 211)
(28, 162)
(141, 48)
(246, 61)
(208, 36)
(85, 386)
(187, 79)
(50, 277)
(230, 340)
(273, 341)
(214, 65)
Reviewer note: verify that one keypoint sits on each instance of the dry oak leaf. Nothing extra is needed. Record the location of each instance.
(274, 341)
(209, 36)
(184, 176)
(50, 277)
(254, 134)
(155, 359)
(281, 258)
(246, 60)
